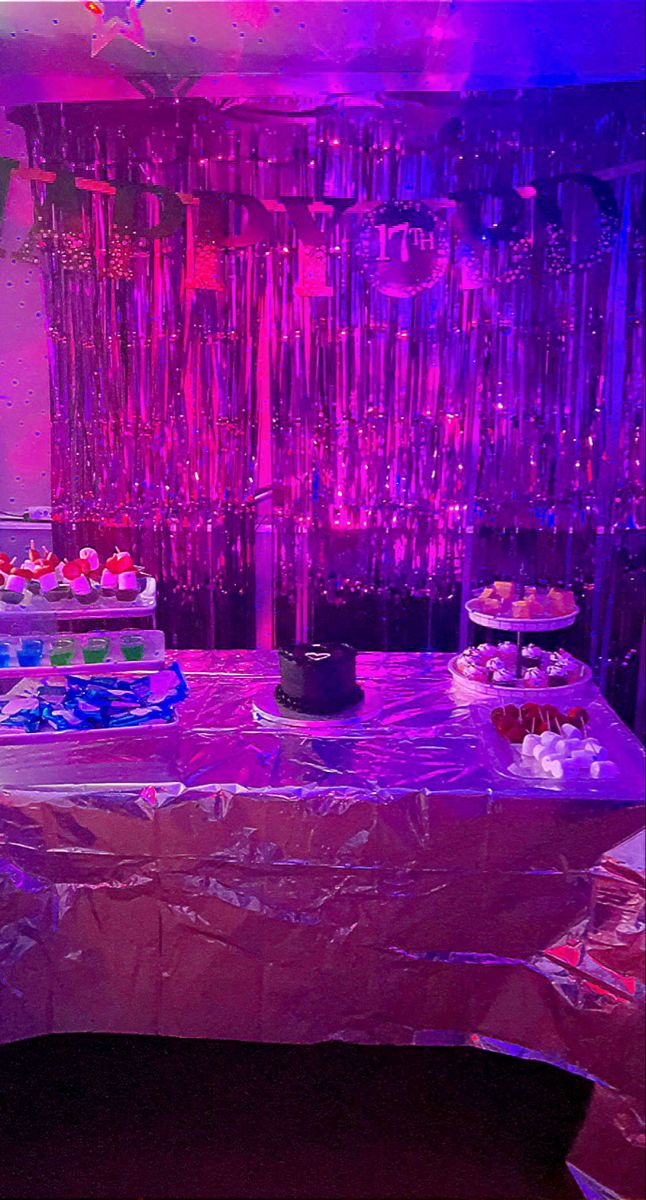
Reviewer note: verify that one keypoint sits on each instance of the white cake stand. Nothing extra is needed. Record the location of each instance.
(520, 626)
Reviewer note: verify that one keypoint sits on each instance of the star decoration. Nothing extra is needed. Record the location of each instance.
(109, 24)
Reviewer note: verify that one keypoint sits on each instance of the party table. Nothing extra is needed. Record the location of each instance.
(374, 881)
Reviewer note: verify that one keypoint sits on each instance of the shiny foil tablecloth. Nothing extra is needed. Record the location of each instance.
(369, 881)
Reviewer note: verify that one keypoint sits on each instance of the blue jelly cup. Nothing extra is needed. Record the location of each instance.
(5, 654)
(30, 652)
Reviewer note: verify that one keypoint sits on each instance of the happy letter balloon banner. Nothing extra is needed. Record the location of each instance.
(327, 369)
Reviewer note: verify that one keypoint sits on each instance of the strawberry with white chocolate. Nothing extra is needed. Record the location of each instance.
(15, 588)
(81, 587)
(91, 565)
(120, 577)
(6, 565)
(52, 588)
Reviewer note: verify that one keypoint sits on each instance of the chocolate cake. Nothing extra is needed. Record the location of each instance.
(318, 679)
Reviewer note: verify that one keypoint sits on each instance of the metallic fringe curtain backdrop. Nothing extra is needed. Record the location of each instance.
(343, 438)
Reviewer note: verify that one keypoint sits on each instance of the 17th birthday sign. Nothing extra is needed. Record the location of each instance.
(403, 246)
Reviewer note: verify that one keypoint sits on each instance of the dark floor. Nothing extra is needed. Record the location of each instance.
(94, 1116)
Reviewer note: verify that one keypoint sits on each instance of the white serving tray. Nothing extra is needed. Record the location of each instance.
(519, 691)
(515, 625)
(21, 735)
(104, 609)
(507, 761)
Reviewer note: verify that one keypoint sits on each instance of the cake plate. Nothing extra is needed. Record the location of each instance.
(520, 626)
(267, 708)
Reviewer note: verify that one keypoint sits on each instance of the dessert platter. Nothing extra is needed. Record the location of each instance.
(485, 668)
(318, 683)
(550, 746)
(72, 589)
(58, 705)
(507, 606)
(96, 652)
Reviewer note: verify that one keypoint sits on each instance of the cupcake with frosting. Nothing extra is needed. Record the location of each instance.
(472, 671)
(503, 677)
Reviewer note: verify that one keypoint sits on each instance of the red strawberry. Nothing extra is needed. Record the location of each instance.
(120, 561)
(578, 716)
(515, 732)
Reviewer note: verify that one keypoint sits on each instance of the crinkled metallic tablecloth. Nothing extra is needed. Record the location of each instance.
(370, 881)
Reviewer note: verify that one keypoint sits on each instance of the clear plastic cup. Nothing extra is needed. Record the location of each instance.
(61, 652)
(132, 647)
(95, 649)
(30, 652)
(5, 654)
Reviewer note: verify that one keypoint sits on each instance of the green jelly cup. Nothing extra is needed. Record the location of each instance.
(132, 647)
(95, 650)
(61, 652)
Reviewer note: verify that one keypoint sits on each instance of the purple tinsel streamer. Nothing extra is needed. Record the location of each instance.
(484, 427)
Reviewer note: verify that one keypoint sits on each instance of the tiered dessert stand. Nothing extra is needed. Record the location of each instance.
(106, 609)
(520, 627)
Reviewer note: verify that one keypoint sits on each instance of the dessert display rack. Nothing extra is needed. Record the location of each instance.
(106, 608)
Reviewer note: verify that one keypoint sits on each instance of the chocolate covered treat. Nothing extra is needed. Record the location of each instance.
(15, 586)
(80, 586)
(318, 679)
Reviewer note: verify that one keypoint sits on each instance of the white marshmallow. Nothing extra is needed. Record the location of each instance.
(604, 770)
(571, 731)
(530, 742)
(109, 579)
(563, 768)
(16, 583)
(549, 738)
(48, 582)
(595, 748)
(89, 553)
(583, 758)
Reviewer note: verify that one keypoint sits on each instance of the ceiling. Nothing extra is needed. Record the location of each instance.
(223, 47)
